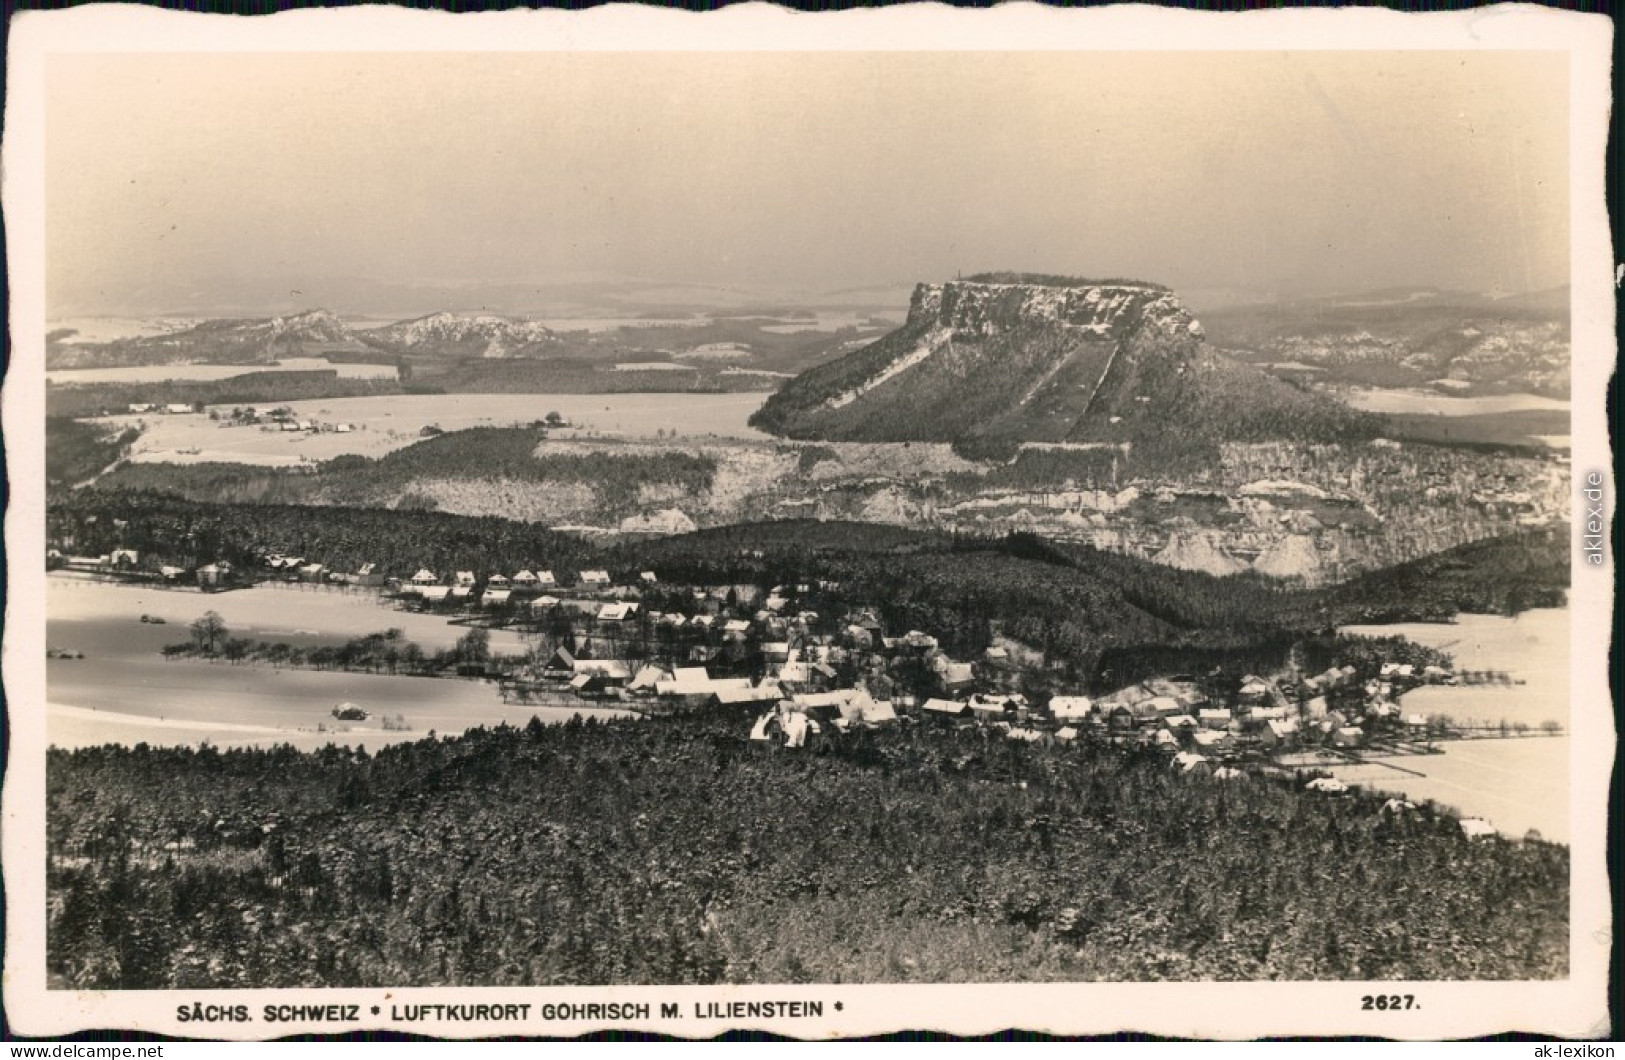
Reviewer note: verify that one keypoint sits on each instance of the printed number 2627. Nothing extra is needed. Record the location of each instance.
(1384, 1002)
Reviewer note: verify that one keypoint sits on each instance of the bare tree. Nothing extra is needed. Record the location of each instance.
(209, 631)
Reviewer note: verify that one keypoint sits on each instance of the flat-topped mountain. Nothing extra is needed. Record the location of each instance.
(453, 334)
(1002, 360)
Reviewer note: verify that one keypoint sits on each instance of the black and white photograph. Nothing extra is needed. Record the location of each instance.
(680, 524)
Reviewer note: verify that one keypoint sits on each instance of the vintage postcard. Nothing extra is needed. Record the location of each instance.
(827, 524)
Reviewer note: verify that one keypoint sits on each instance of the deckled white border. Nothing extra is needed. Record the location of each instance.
(1572, 1008)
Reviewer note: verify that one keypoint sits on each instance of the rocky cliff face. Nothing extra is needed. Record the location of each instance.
(996, 363)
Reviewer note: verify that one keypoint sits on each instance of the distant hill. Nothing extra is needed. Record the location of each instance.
(1003, 360)
(454, 335)
(1458, 342)
(311, 333)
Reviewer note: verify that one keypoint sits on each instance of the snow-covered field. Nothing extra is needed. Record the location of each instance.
(382, 424)
(1400, 402)
(124, 691)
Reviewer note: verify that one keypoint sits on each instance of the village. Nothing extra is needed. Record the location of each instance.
(281, 418)
(799, 663)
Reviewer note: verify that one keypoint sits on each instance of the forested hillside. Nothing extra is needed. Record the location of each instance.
(476, 454)
(250, 388)
(571, 854)
(76, 451)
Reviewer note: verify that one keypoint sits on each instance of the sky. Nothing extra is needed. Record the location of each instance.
(211, 181)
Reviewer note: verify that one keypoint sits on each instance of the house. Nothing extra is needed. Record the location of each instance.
(1158, 707)
(588, 684)
(176, 408)
(124, 557)
(1275, 733)
(1476, 828)
(863, 709)
(1348, 736)
(464, 578)
(735, 625)
(614, 672)
(686, 681)
(562, 664)
(647, 678)
(766, 692)
(497, 579)
(1214, 742)
(617, 612)
(1253, 688)
(171, 573)
(593, 579)
(987, 710)
(425, 577)
(956, 676)
(312, 572)
(461, 592)
(1070, 708)
(213, 574)
(945, 708)
(434, 593)
(496, 597)
(1214, 718)
(919, 641)
(1178, 723)
(795, 672)
(647, 577)
(1190, 764)
(525, 578)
